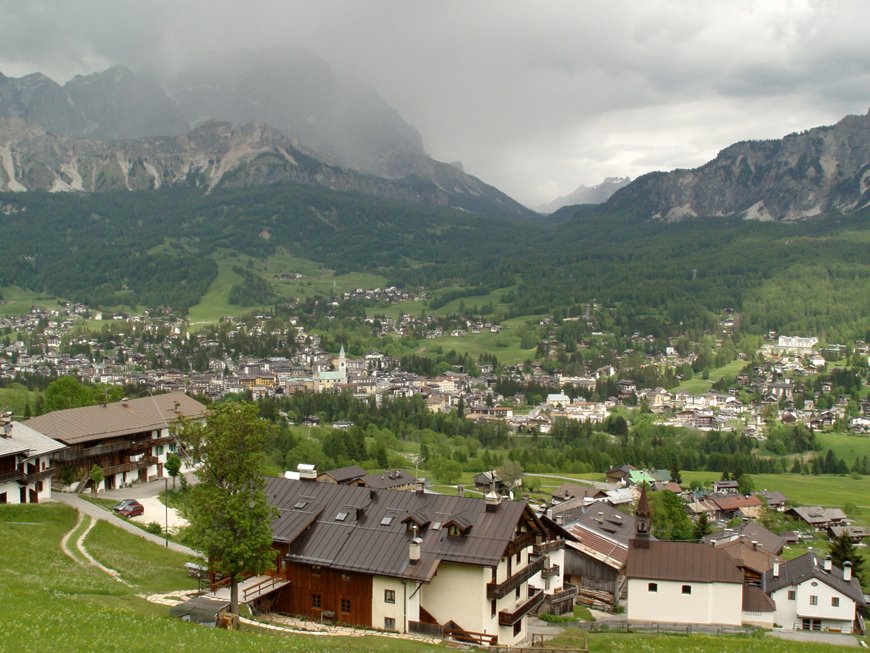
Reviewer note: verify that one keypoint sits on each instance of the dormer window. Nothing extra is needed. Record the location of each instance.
(453, 530)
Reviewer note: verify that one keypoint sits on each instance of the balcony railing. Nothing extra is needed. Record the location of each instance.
(547, 547)
(129, 467)
(23, 476)
(549, 572)
(506, 618)
(498, 590)
(11, 475)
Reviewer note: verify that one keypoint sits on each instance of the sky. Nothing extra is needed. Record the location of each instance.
(535, 97)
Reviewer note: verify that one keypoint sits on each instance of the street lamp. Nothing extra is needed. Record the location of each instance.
(166, 510)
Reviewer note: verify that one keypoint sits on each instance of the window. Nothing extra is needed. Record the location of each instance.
(386, 521)
(492, 608)
(345, 577)
(518, 627)
(389, 623)
(835, 601)
(517, 593)
(389, 596)
(315, 601)
(159, 449)
(453, 530)
(814, 600)
(519, 557)
(652, 587)
(687, 589)
(315, 570)
(345, 606)
(299, 505)
(436, 526)
(3, 497)
(792, 595)
(341, 516)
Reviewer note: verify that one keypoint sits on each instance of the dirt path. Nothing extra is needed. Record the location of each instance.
(79, 554)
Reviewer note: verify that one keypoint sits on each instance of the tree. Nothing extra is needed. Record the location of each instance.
(228, 512)
(669, 518)
(173, 466)
(842, 549)
(702, 527)
(675, 474)
(745, 484)
(66, 392)
(96, 478)
(510, 472)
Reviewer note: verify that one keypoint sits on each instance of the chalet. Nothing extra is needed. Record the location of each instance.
(490, 480)
(856, 534)
(731, 505)
(818, 517)
(618, 474)
(408, 561)
(726, 487)
(752, 532)
(352, 475)
(774, 500)
(813, 594)
(568, 491)
(129, 439)
(26, 465)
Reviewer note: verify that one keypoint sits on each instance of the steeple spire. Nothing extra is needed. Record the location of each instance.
(642, 518)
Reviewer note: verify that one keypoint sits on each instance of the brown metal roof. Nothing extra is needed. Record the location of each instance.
(77, 425)
(754, 600)
(367, 530)
(681, 561)
(345, 474)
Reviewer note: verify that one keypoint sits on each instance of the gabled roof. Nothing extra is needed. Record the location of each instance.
(345, 474)
(809, 566)
(815, 515)
(27, 441)
(729, 502)
(389, 480)
(77, 425)
(366, 530)
(751, 531)
(681, 561)
(610, 551)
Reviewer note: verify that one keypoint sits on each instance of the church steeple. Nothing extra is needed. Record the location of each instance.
(642, 518)
(342, 363)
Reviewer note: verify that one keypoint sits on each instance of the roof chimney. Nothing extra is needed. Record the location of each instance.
(493, 501)
(460, 490)
(420, 485)
(827, 564)
(306, 472)
(755, 544)
(414, 549)
(776, 568)
(847, 571)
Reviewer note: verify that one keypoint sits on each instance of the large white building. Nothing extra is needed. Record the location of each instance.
(812, 594)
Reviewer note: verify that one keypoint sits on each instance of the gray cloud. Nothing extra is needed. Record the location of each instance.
(535, 98)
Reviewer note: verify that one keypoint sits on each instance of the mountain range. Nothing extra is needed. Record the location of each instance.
(804, 175)
(118, 129)
(283, 115)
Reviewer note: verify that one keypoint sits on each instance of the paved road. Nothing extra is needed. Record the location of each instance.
(98, 512)
(819, 638)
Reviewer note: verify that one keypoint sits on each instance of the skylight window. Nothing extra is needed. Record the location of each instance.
(436, 526)
(299, 505)
(386, 521)
(341, 516)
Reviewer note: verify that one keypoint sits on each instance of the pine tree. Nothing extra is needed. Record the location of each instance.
(842, 549)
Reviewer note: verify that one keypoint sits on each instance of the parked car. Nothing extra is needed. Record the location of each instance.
(129, 508)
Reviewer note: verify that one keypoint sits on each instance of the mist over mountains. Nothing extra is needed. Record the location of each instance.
(69, 137)
(274, 115)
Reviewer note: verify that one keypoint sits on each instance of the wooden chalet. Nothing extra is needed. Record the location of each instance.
(129, 439)
(26, 463)
(409, 561)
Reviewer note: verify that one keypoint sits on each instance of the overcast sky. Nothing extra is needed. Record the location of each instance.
(535, 97)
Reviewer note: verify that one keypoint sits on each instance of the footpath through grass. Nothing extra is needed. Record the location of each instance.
(51, 603)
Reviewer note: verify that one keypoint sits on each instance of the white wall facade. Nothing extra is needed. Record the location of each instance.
(404, 607)
(707, 603)
(12, 488)
(790, 613)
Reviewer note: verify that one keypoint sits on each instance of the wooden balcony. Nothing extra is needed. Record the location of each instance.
(543, 548)
(24, 477)
(549, 572)
(129, 467)
(506, 618)
(520, 542)
(498, 590)
(11, 475)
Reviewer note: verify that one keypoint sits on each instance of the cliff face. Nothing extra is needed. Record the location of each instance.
(798, 177)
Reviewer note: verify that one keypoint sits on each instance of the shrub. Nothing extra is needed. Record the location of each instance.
(154, 528)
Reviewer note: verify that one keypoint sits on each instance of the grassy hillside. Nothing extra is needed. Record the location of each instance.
(54, 604)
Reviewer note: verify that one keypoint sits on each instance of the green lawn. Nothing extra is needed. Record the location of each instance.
(845, 445)
(53, 604)
(15, 397)
(697, 385)
(504, 345)
(825, 490)
(19, 301)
